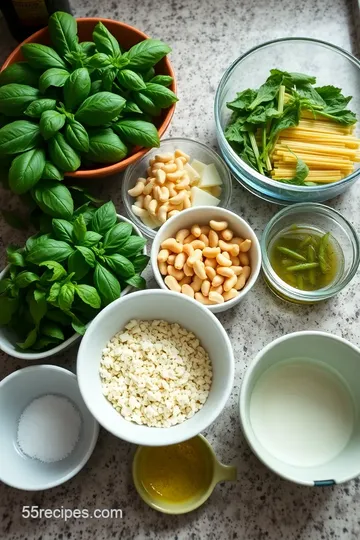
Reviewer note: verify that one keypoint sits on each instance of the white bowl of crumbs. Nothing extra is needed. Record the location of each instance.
(155, 368)
(209, 254)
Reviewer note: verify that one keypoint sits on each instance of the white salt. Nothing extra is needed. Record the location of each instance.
(49, 428)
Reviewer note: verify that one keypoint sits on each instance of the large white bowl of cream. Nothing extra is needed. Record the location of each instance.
(300, 408)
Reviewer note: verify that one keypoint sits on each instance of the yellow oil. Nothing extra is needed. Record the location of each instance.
(176, 473)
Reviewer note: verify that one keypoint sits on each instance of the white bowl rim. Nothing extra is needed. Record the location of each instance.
(75, 337)
(243, 406)
(215, 411)
(249, 284)
(95, 424)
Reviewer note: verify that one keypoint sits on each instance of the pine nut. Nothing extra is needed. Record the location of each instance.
(163, 268)
(218, 225)
(172, 284)
(164, 158)
(162, 214)
(178, 199)
(218, 289)
(181, 235)
(157, 165)
(223, 261)
(229, 295)
(244, 259)
(172, 207)
(149, 187)
(180, 153)
(216, 298)
(237, 270)
(227, 235)
(225, 271)
(196, 231)
(205, 229)
(240, 282)
(173, 213)
(163, 255)
(139, 201)
(157, 193)
(170, 167)
(201, 298)
(190, 238)
(245, 246)
(199, 269)
(186, 280)
(189, 291)
(246, 271)
(153, 207)
(179, 163)
(172, 245)
(152, 161)
(237, 240)
(211, 252)
(196, 256)
(188, 270)
(235, 261)
(147, 201)
(180, 260)
(149, 171)
(226, 254)
(233, 249)
(177, 274)
(210, 272)
(210, 262)
(171, 186)
(196, 283)
(137, 189)
(213, 239)
(205, 287)
(230, 283)
(164, 194)
(187, 202)
(140, 212)
(204, 239)
(173, 176)
(188, 249)
(217, 281)
(160, 176)
(198, 244)
(184, 184)
(171, 259)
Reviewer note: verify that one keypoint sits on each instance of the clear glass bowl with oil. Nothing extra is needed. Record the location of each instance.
(310, 252)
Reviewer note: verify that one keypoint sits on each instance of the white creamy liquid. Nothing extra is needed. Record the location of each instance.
(302, 412)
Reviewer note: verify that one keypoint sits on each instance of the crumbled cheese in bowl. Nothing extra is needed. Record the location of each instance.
(155, 373)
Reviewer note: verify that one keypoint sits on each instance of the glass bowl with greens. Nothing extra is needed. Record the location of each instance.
(286, 120)
(310, 252)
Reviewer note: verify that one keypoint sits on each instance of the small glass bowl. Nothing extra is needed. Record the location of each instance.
(196, 150)
(323, 218)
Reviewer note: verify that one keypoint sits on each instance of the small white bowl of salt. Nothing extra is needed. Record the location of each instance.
(47, 432)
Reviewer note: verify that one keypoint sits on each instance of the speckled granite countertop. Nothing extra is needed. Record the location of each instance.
(206, 36)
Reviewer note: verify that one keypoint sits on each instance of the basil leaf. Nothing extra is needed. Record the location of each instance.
(89, 295)
(56, 269)
(87, 254)
(62, 154)
(5, 285)
(26, 170)
(149, 74)
(36, 239)
(58, 316)
(104, 218)
(76, 135)
(20, 73)
(8, 307)
(108, 79)
(15, 258)
(159, 95)
(50, 123)
(54, 293)
(77, 325)
(117, 236)
(91, 238)
(43, 343)
(138, 132)
(63, 230)
(137, 281)
(19, 136)
(87, 48)
(77, 88)
(243, 100)
(98, 61)
(130, 80)
(146, 54)
(95, 87)
(53, 77)
(63, 32)
(14, 98)
(105, 42)
(105, 147)
(164, 80)
(267, 91)
(52, 330)
(30, 340)
(120, 265)
(140, 262)
(37, 107)
(290, 118)
(41, 56)
(146, 104)
(87, 211)
(79, 227)
(132, 246)
(78, 265)
(99, 109)
(25, 278)
(50, 172)
(54, 199)
(106, 284)
(53, 250)
(131, 108)
(66, 296)
(38, 308)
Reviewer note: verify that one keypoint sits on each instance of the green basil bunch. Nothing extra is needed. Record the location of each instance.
(60, 280)
(78, 103)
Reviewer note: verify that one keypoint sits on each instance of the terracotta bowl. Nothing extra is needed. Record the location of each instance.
(127, 36)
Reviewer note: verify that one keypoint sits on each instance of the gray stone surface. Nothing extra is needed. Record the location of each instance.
(206, 36)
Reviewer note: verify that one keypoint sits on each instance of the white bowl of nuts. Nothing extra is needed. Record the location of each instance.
(180, 174)
(155, 368)
(209, 254)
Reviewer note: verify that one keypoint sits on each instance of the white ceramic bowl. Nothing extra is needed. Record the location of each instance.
(171, 307)
(330, 353)
(202, 215)
(8, 339)
(17, 391)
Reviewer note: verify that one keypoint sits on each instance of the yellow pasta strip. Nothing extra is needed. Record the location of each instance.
(317, 148)
(297, 133)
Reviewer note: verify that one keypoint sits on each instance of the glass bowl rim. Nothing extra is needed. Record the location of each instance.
(220, 132)
(291, 292)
